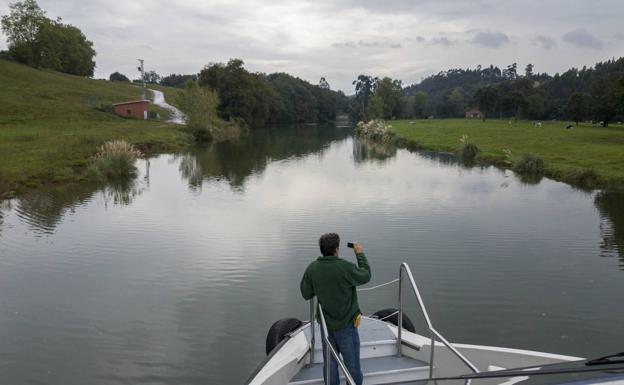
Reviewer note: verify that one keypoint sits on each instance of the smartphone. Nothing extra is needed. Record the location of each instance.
(350, 245)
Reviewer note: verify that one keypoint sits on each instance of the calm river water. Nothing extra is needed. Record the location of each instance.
(176, 278)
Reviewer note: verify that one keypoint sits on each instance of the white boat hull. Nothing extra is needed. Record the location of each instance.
(289, 362)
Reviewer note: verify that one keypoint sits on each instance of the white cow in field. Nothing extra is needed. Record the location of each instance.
(537, 124)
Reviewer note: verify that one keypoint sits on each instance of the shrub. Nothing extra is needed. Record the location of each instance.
(587, 178)
(376, 130)
(118, 77)
(201, 134)
(199, 105)
(105, 107)
(529, 164)
(467, 150)
(115, 159)
(507, 160)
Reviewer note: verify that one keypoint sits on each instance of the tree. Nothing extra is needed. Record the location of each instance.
(528, 71)
(390, 92)
(200, 108)
(38, 41)
(534, 106)
(364, 87)
(603, 88)
(176, 80)
(376, 108)
(259, 99)
(22, 26)
(576, 107)
(152, 77)
(420, 105)
(323, 84)
(620, 95)
(511, 72)
(455, 103)
(486, 98)
(118, 77)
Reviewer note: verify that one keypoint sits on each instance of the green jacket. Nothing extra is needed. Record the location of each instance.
(333, 280)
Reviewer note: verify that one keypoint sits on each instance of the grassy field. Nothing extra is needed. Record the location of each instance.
(50, 125)
(586, 156)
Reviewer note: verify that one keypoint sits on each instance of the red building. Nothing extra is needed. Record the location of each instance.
(133, 109)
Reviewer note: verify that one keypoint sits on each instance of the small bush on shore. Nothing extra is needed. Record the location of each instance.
(376, 130)
(530, 164)
(115, 159)
(467, 150)
(586, 178)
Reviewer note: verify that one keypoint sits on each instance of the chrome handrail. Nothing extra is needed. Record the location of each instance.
(329, 350)
(404, 269)
(312, 338)
(434, 333)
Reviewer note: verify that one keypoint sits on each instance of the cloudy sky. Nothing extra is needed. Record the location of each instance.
(404, 39)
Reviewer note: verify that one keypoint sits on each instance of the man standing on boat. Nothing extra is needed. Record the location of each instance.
(333, 281)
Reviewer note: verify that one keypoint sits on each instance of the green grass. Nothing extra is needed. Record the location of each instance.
(50, 126)
(566, 153)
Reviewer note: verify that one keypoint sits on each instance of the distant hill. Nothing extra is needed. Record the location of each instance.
(523, 93)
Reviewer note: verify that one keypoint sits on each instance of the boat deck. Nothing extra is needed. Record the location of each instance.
(374, 369)
(379, 362)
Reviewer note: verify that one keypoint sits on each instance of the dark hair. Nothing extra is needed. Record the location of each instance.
(329, 243)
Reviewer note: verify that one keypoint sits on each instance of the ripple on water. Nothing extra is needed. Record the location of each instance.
(180, 283)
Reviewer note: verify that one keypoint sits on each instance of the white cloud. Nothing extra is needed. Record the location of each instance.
(338, 39)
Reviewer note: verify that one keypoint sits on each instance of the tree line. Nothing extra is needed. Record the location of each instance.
(259, 99)
(595, 93)
(40, 42)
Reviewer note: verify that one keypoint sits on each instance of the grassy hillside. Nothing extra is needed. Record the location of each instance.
(570, 155)
(50, 125)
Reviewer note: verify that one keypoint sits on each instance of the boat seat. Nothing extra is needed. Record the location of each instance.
(376, 370)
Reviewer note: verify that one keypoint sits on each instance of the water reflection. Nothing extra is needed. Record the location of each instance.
(611, 208)
(235, 161)
(45, 209)
(5, 207)
(365, 150)
(530, 180)
(159, 282)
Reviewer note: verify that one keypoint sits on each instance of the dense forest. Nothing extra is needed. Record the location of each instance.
(594, 93)
(259, 99)
(578, 94)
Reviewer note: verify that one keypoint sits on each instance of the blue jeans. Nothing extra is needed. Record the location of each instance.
(346, 342)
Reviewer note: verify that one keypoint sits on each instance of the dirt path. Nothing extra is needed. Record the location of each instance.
(177, 116)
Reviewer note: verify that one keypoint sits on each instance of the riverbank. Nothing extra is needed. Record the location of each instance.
(587, 156)
(51, 125)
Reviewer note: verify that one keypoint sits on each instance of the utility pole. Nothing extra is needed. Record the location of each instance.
(142, 70)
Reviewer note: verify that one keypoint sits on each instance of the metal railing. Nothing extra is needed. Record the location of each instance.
(404, 269)
(329, 349)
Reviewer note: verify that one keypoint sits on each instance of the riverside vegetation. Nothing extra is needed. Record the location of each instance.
(115, 159)
(589, 156)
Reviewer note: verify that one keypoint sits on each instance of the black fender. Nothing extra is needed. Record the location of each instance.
(279, 330)
(394, 319)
